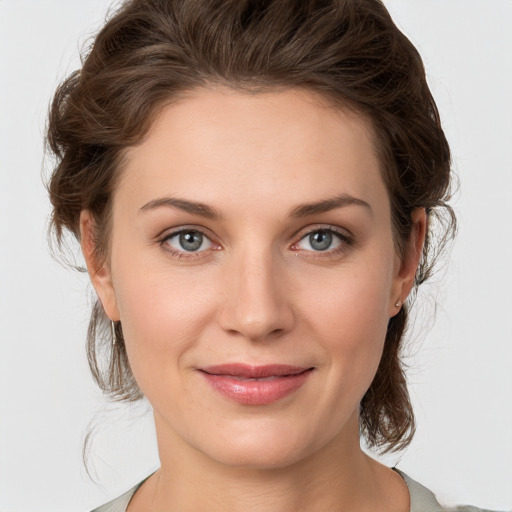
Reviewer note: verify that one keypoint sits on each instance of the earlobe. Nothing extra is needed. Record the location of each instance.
(404, 280)
(99, 271)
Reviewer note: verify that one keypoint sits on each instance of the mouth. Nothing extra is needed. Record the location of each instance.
(256, 385)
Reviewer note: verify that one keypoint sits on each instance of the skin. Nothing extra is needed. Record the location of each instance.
(257, 291)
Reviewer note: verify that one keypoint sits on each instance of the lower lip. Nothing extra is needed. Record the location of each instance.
(257, 391)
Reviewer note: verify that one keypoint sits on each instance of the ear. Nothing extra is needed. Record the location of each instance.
(99, 271)
(405, 269)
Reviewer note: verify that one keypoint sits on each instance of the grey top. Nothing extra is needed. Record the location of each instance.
(422, 500)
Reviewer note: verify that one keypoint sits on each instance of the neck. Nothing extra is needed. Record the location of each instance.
(337, 477)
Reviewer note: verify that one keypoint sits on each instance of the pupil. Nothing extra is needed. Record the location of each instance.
(321, 240)
(191, 240)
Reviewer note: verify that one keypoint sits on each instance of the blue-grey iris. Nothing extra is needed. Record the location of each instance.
(191, 240)
(320, 240)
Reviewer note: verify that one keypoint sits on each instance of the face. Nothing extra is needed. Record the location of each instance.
(254, 272)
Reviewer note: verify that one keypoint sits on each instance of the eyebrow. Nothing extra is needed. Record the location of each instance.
(193, 207)
(343, 200)
(302, 210)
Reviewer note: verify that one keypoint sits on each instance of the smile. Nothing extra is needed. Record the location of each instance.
(255, 385)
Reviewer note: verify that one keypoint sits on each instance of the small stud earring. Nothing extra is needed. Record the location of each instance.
(113, 331)
(398, 304)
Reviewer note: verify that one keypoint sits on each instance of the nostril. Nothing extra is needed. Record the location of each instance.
(254, 308)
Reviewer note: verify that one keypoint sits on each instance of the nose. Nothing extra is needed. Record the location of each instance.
(256, 302)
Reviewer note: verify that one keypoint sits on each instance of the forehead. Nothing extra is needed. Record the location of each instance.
(220, 144)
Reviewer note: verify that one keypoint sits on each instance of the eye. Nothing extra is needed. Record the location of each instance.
(322, 240)
(188, 240)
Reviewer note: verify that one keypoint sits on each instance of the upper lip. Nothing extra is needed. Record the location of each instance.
(249, 371)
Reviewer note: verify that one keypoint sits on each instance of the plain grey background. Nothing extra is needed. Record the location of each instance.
(460, 371)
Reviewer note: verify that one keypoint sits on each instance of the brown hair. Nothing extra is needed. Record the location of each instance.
(350, 51)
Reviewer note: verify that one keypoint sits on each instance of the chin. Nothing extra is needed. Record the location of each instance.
(256, 458)
(260, 449)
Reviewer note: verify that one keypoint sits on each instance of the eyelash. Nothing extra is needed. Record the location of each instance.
(190, 255)
(345, 242)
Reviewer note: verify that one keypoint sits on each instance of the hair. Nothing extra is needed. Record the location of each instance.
(152, 52)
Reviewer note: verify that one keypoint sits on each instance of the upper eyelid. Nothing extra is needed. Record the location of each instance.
(342, 232)
(170, 232)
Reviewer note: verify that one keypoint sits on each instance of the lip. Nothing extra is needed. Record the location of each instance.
(256, 385)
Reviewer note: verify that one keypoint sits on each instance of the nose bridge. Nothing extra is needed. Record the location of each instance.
(256, 303)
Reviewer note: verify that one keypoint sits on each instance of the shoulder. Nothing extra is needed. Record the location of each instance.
(424, 500)
(467, 508)
(119, 504)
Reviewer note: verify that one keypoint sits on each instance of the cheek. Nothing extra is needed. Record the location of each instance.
(353, 300)
(350, 317)
(162, 316)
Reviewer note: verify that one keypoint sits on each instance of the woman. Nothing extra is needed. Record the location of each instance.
(254, 188)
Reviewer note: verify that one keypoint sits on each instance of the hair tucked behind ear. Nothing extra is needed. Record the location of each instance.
(108, 361)
(150, 52)
(386, 413)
